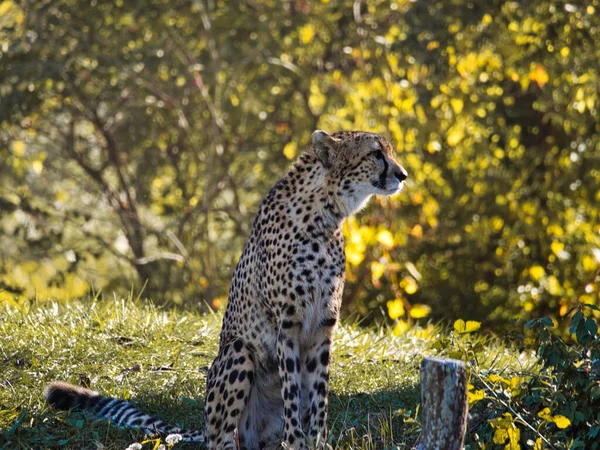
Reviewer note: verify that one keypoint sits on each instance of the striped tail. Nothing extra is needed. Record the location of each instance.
(66, 396)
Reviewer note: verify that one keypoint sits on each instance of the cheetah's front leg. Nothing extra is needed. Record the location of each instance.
(315, 379)
(288, 352)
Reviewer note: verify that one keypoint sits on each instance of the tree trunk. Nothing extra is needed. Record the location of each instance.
(443, 404)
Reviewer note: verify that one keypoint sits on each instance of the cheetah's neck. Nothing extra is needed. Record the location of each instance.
(313, 186)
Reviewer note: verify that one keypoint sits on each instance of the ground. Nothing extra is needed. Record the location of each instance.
(158, 358)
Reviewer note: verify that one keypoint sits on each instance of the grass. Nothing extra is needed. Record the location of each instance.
(158, 359)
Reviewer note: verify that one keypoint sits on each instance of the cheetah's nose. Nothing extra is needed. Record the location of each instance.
(401, 175)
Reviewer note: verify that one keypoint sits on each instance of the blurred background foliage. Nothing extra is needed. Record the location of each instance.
(137, 139)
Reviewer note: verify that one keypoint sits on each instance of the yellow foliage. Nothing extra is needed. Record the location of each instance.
(377, 271)
(401, 327)
(18, 148)
(474, 395)
(455, 135)
(497, 223)
(505, 429)
(419, 311)
(457, 105)
(316, 99)
(539, 75)
(589, 263)
(409, 285)
(553, 286)
(395, 308)
(355, 244)
(307, 33)
(557, 247)
(385, 238)
(537, 272)
(37, 166)
(460, 326)
(417, 231)
(560, 421)
(290, 150)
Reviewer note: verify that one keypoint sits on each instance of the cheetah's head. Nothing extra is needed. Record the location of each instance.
(359, 164)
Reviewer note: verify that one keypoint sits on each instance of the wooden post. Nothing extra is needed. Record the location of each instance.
(444, 404)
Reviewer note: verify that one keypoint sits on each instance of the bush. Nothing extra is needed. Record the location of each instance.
(554, 403)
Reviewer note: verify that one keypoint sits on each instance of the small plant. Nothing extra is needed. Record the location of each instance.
(553, 404)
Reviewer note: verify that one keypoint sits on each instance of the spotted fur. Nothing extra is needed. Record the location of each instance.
(268, 384)
(124, 414)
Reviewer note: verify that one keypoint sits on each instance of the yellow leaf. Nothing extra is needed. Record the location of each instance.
(539, 75)
(37, 166)
(538, 444)
(472, 325)
(589, 263)
(385, 238)
(460, 326)
(506, 429)
(457, 105)
(455, 135)
(561, 421)
(545, 414)
(497, 223)
(18, 148)
(475, 395)
(419, 311)
(417, 231)
(395, 308)
(377, 270)
(290, 150)
(354, 255)
(557, 247)
(61, 196)
(537, 272)
(6, 7)
(307, 33)
(495, 378)
(553, 286)
(400, 328)
(409, 285)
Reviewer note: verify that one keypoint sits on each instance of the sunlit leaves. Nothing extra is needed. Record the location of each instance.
(474, 395)
(385, 238)
(420, 311)
(18, 148)
(506, 432)
(536, 272)
(395, 308)
(307, 33)
(493, 112)
(461, 327)
(290, 150)
(539, 75)
(560, 421)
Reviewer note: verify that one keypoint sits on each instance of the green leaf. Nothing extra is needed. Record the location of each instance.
(591, 326)
(575, 322)
(547, 321)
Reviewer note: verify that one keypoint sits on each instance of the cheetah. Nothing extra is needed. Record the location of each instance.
(268, 385)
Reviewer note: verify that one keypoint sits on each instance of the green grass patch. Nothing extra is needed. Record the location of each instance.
(158, 358)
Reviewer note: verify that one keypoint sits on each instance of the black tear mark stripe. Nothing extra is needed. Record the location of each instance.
(381, 181)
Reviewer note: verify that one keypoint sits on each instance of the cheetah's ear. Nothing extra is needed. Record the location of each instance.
(323, 144)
